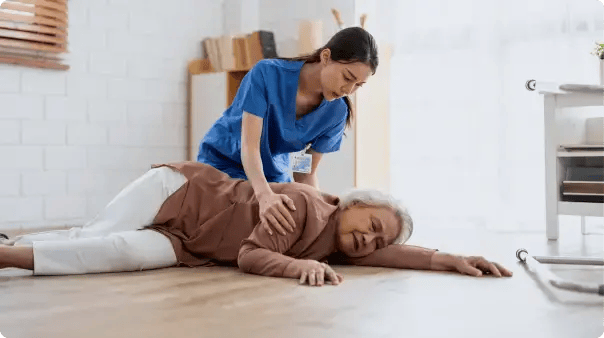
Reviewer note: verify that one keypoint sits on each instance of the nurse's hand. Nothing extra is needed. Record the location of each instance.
(273, 212)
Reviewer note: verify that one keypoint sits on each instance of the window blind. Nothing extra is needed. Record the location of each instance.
(33, 33)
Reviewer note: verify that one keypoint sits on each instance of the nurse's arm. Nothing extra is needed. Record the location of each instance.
(273, 211)
(251, 130)
(311, 178)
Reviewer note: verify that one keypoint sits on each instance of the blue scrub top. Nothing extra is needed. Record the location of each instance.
(269, 91)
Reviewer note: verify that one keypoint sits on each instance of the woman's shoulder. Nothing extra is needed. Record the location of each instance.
(308, 193)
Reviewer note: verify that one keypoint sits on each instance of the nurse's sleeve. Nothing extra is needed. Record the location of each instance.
(253, 91)
(331, 140)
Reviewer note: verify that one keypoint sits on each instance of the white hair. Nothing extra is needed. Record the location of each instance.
(380, 199)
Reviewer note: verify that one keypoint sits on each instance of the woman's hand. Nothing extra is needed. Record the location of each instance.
(471, 265)
(274, 213)
(316, 273)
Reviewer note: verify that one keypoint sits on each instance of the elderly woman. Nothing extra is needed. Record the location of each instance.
(192, 214)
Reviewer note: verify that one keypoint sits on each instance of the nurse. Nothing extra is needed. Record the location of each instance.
(290, 105)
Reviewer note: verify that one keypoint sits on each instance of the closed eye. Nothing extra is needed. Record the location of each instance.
(376, 224)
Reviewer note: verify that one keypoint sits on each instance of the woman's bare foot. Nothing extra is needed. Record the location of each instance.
(5, 240)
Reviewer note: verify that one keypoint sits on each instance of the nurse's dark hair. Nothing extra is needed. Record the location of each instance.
(353, 44)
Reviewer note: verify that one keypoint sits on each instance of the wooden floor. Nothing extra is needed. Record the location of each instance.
(372, 302)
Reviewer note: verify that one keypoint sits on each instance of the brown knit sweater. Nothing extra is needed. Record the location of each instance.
(214, 218)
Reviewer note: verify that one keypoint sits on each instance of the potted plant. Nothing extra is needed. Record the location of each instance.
(599, 52)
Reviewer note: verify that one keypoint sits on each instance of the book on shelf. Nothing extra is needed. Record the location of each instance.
(239, 52)
(585, 174)
(583, 184)
(582, 147)
(583, 188)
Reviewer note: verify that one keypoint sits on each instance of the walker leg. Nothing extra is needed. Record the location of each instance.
(552, 227)
(569, 260)
(544, 274)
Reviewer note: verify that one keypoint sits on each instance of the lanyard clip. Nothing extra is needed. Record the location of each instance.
(306, 149)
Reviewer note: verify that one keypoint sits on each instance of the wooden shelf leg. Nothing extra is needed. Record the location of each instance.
(552, 228)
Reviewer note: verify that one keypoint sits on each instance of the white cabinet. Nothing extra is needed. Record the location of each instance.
(565, 127)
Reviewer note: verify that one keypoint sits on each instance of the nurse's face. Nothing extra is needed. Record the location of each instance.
(341, 79)
(362, 229)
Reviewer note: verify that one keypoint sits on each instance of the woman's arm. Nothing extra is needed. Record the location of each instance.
(272, 206)
(397, 256)
(415, 257)
(263, 254)
(310, 178)
(273, 264)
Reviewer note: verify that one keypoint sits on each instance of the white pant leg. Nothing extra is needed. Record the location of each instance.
(115, 252)
(133, 208)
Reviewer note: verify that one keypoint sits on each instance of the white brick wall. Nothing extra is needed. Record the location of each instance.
(86, 85)
(40, 182)
(69, 141)
(18, 209)
(105, 63)
(86, 134)
(66, 108)
(21, 157)
(107, 111)
(21, 106)
(65, 157)
(43, 132)
(65, 207)
(9, 132)
(10, 81)
(10, 183)
(42, 82)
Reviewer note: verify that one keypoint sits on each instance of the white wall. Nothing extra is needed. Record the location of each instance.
(467, 137)
(69, 141)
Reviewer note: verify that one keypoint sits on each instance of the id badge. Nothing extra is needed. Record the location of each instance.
(302, 163)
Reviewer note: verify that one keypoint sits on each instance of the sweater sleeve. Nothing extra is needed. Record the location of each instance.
(397, 256)
(263, 254)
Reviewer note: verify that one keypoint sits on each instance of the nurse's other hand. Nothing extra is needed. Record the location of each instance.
(274, 214)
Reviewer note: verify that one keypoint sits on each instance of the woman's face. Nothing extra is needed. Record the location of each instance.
(363, 229)
(341, 79)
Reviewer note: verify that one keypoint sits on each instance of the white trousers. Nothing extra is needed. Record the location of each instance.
(112, 241)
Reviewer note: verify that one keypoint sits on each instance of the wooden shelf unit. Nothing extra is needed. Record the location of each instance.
(209, 94)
